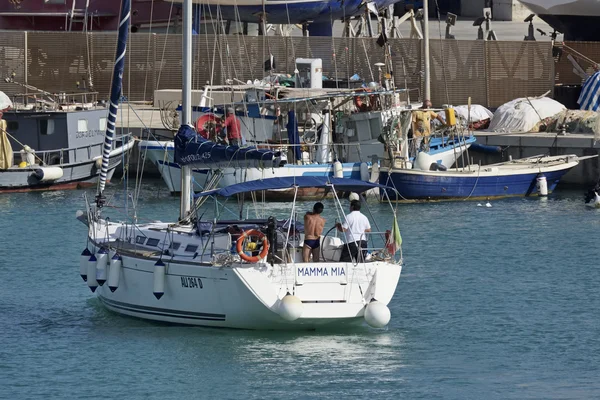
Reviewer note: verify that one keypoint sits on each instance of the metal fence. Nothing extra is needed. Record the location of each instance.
(491, 73)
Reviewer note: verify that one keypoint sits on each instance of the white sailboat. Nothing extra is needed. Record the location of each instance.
(209, 272)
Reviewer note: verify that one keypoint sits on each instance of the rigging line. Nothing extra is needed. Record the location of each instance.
(148, 52)
(239, 41)
(140, 172)
(442, 52)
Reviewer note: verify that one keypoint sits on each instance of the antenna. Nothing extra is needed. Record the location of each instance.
(530, 31)
(450, 22)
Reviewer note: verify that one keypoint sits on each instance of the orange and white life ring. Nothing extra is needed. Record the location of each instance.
(239, 246)
(208, 124)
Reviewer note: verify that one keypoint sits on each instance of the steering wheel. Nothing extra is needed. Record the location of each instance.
(309, 125)
(324, 237)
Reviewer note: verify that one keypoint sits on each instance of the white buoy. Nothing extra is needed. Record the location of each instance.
(542, 185)
(83, 263)
(114, 272)
(91, 273)
(338, 169)
(159, 279)
(488, 204)
(479, 205)
(364, 172)
(102, 257)
(377, 314)
(290, 307)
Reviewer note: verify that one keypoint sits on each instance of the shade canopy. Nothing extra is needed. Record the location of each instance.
(348, 185)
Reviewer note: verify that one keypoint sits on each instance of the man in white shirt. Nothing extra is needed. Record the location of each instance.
(355, 227)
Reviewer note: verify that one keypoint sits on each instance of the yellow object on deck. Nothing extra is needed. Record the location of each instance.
(22, 164)
(450, 116)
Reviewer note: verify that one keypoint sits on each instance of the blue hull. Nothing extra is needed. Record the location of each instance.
(439, 187)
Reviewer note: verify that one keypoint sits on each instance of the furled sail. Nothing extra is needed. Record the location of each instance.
(115, 91)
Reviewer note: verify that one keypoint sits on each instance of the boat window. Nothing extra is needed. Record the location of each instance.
(191, 248)
(82, 125)
(12, 126)
(174, 245)
(46, 126)
(140, 239)
(152, 242)
(102, 124)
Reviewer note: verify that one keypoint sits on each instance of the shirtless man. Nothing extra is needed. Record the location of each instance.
(313, 228)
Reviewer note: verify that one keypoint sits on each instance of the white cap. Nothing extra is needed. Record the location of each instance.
(353, 196)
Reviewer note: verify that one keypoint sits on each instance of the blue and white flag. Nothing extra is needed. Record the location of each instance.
(589, 99)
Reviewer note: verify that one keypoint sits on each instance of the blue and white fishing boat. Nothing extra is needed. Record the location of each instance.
(425, 179)
(523, 177)
(205, 271)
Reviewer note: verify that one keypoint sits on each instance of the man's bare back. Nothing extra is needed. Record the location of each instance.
(313, 225)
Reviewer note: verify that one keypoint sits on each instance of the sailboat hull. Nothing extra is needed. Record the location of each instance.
(247, 296)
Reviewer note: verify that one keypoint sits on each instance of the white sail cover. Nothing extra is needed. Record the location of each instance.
(5, 102)
(524, 114)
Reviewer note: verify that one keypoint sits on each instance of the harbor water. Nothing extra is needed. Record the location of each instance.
(494, 302)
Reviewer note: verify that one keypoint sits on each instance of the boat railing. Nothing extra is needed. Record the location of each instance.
(57, 101)
(70, 155)
(378, 247)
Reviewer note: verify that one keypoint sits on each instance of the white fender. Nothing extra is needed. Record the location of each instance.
(114, 272)
(377, 314)
(542, 185)
(48, 174)
(159, 279)
(91, 273)
(83, 263)
(102, 257)
(338, 169)
(364, 172)
(290, 307)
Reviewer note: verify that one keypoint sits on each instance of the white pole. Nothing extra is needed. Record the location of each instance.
(427, 77)
(186, 103)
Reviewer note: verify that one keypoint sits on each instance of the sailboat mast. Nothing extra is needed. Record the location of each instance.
(427, 75)
(186, 103)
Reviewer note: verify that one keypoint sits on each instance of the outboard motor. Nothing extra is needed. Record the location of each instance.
(272, 238)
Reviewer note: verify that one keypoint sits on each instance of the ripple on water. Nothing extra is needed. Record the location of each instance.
(493, 303)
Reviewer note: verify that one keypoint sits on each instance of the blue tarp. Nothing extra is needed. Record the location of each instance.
(294, 139)
(192, 149)
(348, 185)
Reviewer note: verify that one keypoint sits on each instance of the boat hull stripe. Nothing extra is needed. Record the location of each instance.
(162, 311)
